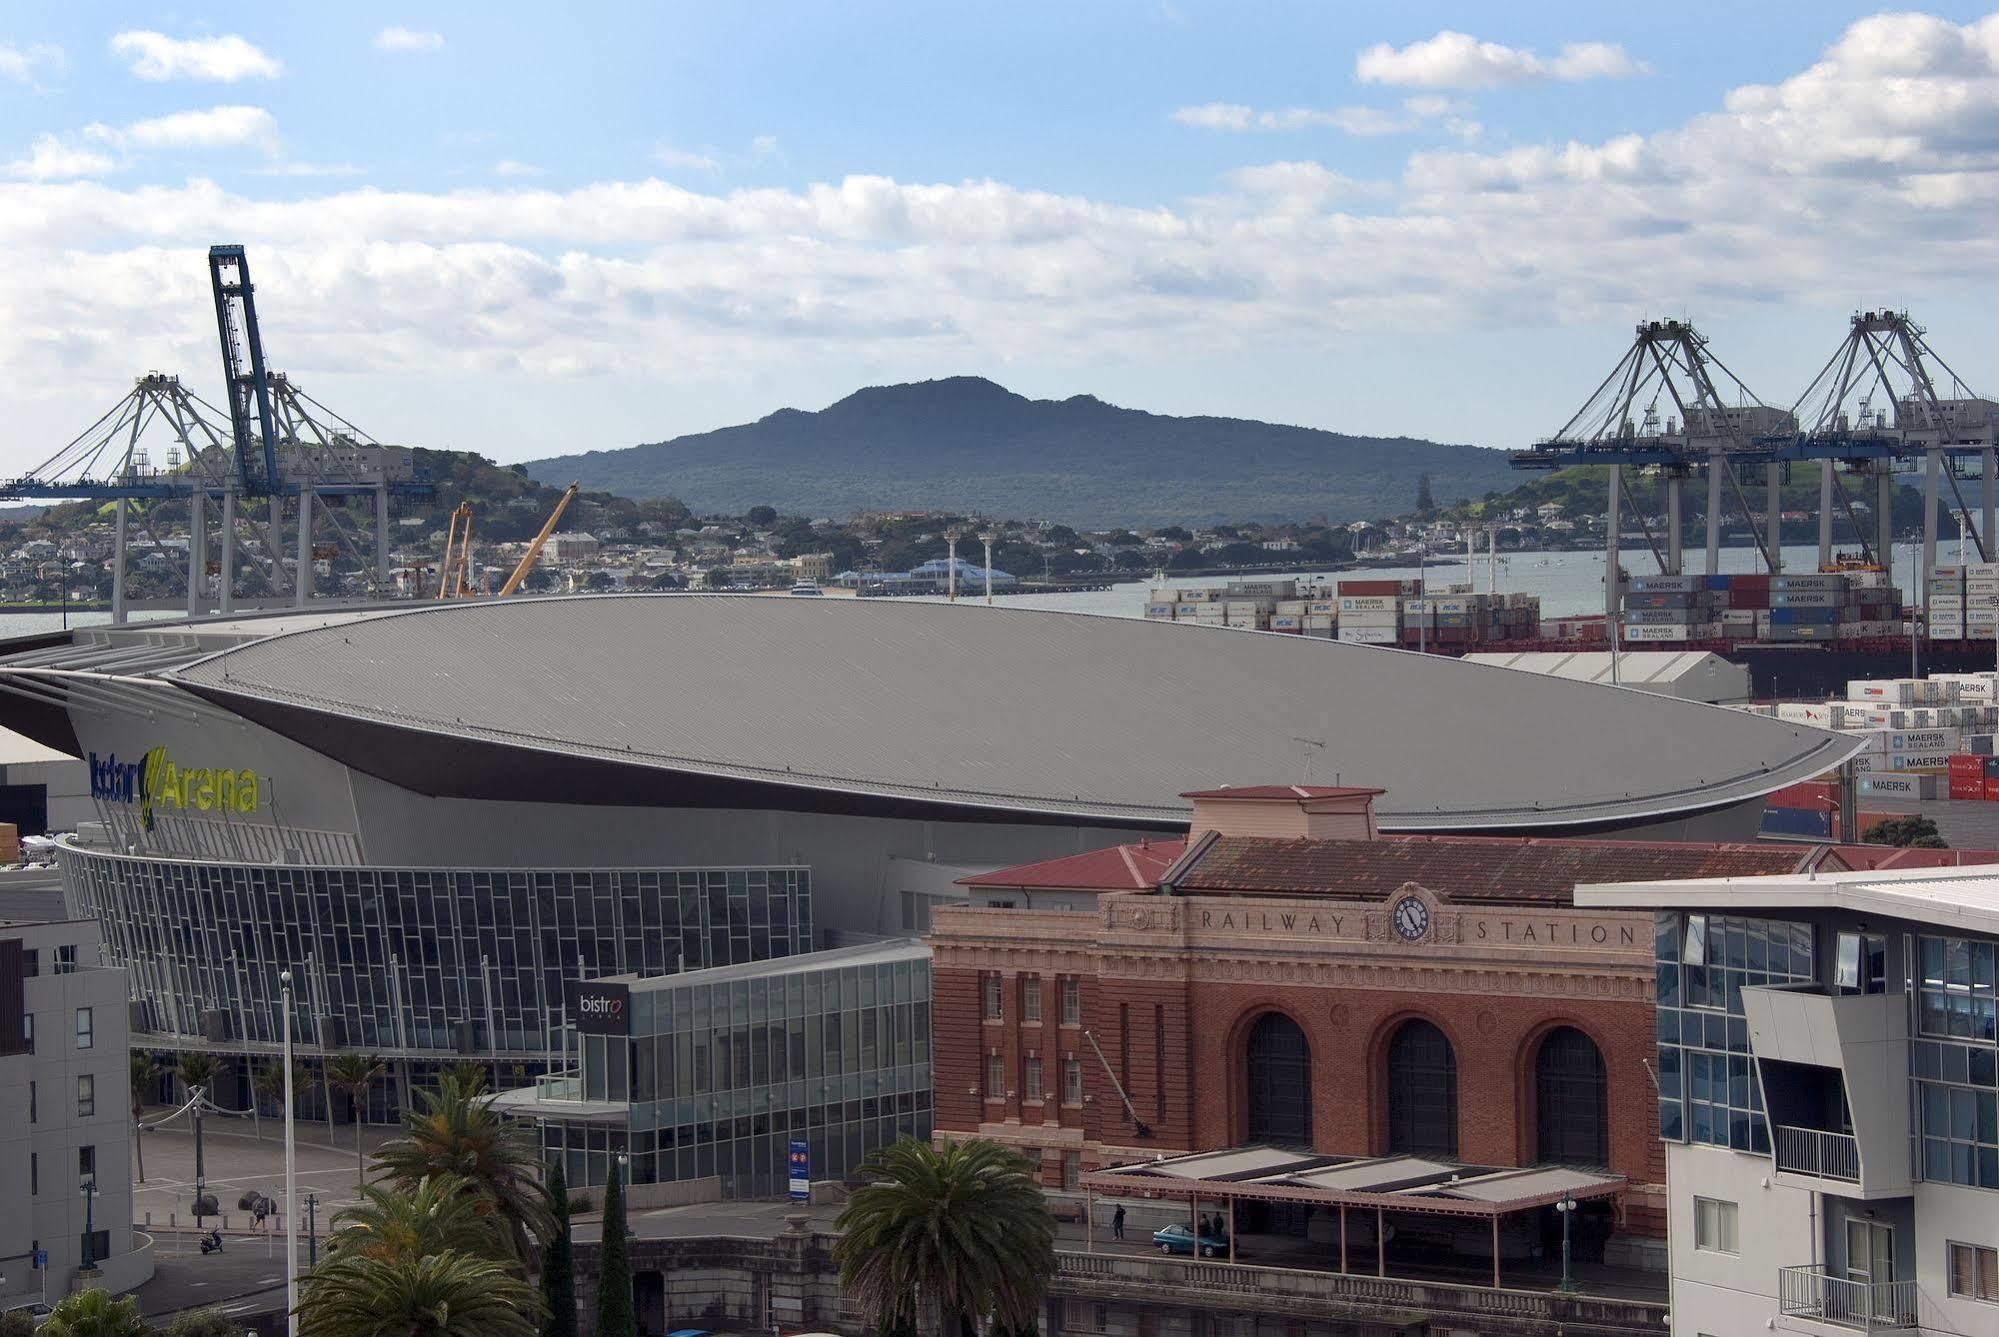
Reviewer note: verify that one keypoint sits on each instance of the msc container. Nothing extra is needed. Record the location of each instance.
(1187, 610)
(1197, 596)
(1160, 611)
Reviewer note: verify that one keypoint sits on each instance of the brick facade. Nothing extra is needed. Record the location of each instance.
(1170, 987)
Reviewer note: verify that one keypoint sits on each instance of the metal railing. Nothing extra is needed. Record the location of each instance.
(1876, 1306)
(1813, 1151)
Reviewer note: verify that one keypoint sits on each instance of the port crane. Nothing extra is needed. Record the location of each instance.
(1716, 427)
(273, 447)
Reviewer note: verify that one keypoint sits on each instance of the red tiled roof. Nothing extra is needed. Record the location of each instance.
(1282, 791)
(1466, 868)
(1119, 868)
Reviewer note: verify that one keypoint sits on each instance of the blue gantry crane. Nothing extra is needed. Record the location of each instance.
(275, 446)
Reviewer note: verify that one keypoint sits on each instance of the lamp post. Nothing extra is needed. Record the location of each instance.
(1567, 1207)
(291, 1162)
(311, 1229)
(89, 1224)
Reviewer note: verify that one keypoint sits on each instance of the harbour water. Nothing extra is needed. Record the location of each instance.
(1568, 583)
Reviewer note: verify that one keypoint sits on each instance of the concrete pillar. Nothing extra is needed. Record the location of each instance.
(1716, 462)
(1773, 514)
(302, 578)
(382, 538)
(1825, 513)
(226, 586)
(1884, 518)
(197, 553)
(1613, 521)
(1676, 533)
(1932, 480)
(118, 556)
(1990, 487)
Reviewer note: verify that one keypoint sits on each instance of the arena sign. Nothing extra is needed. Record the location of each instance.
(157, 781)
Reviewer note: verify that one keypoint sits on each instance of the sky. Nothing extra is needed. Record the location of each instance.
(530, 230)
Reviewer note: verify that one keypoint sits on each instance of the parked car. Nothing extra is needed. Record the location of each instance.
(1178, 1238)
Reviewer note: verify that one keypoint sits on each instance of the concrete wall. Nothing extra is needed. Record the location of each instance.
(1947, 1213)
(1723, 1294)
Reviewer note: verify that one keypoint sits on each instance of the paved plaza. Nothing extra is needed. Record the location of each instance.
(237, 1160)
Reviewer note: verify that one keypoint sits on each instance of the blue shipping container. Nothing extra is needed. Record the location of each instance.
(1797, 822)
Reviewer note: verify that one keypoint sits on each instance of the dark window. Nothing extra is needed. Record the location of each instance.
(86, 1162)
(1571, 1101)
(1280, 1081)
(1422, 1092)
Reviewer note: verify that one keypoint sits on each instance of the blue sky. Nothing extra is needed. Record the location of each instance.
(476, 226)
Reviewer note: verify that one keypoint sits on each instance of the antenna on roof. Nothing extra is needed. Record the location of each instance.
(1309, 743)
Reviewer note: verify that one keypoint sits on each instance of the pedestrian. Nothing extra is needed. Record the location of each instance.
(1117, 1223)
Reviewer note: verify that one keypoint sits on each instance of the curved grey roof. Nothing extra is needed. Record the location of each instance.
(1013, 709)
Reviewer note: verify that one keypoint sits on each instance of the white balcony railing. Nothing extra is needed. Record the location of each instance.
(1813, 1151)
(1877, 1306)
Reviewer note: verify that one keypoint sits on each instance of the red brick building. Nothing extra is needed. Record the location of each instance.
(1287, 975)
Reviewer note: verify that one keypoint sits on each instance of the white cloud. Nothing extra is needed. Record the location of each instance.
(764, 148)
(1877, 166)
(685, 160)
(309, 169)
(226, 60)
(407, 39)
(1458, 60)
(29, 64)
(218, 127)
(50, 159)
(1360, 121)
(512, 167)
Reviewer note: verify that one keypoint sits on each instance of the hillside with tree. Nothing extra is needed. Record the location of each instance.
(968, 444)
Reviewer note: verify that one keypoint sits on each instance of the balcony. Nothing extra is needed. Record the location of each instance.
(1834, 1070)
(1860, 1306)
(1818, 1154)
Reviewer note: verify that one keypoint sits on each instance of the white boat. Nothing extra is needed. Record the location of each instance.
(808, 589)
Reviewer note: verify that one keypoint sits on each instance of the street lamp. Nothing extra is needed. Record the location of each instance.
(89, 1224)
(1567, 1207)
(291, 1163)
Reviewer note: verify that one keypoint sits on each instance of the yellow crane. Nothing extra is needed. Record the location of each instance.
(534, 549)
(457, 553)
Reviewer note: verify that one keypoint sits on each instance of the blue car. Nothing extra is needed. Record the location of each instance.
(1180, 1239)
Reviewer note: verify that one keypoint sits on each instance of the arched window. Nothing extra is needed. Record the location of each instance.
(1280, 1081)
(1571, 1101)
(1422, 1092)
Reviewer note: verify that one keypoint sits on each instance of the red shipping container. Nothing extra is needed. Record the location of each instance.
(1749, 582)
(1961, 788)
(1805, 794)
(1967, 767)
(1992, 791)
(1370, 588)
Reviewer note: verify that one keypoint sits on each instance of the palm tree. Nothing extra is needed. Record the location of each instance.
(352, 1075)
(455, 1132)
(196, 1068)
(965, 1227)
(446, 1294)
(95, 1313)
(145, 1071)
(437, 1216)
(270, 1083)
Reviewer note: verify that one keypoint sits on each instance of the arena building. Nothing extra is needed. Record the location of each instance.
(1286, 976)
(445, 816)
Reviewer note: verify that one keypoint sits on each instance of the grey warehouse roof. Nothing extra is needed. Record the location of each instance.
(1011, 709)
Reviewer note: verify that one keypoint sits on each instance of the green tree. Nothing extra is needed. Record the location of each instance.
(455, 1132)
(1911, 831)
(558, 1261)
(352, 1074)
(1424, 502)
(446, 1294)
(202, 1323)
(965, 1227)
(145, 1071)
(17, 1323)
(437, 1216)
(95, 1313)
(614, 1264)
(196, 1068)
(763, 517)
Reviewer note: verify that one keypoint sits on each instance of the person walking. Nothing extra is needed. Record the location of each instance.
(1117, 1223)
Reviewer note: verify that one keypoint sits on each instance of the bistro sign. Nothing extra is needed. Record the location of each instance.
(603, 1008)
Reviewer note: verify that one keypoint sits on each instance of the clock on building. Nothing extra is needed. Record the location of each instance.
(1412, 917)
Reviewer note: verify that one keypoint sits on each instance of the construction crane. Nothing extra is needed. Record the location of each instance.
(534, 549)
(457, 554)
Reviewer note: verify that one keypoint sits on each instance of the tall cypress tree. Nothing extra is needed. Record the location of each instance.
(614, 1272)
(558, 1261)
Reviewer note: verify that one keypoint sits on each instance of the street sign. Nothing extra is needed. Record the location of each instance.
(41, 1258)
(801, 1170)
